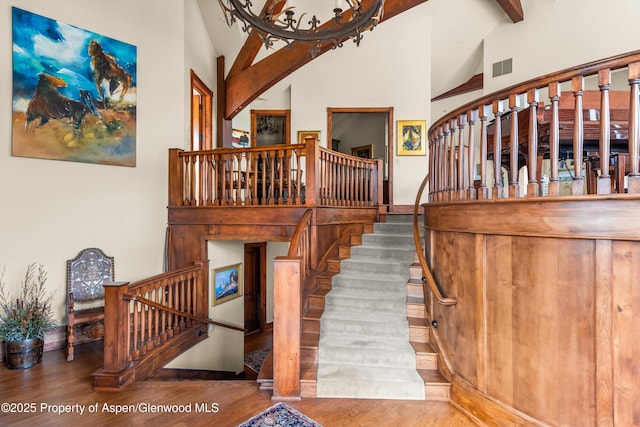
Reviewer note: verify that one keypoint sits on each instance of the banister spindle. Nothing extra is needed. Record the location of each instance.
(461, 156)
(483, 191)
(452, 159)
(577, 185)
(554, 138)
(533, 187)
(471, 151)
(514, 106)
(440, 165)
(432, 165)
(445, 162)
(604, 180)
(633, 184)
(497, 151)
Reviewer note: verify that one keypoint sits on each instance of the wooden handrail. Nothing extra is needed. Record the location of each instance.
(298, 233)
(197, 318)
(428, 276)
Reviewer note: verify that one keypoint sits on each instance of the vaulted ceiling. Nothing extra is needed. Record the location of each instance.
(247, 78)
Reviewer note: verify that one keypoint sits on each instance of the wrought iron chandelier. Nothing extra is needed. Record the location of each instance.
(284, 26)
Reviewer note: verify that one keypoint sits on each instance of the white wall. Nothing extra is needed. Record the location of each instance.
(560, 34)
(50, 210)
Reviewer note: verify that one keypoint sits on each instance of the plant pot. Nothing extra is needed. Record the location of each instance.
(23, 354)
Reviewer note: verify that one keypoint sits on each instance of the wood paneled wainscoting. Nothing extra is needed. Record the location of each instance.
(545, 329)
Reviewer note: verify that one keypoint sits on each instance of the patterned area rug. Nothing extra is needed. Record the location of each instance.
(280, 414)
(255, 359)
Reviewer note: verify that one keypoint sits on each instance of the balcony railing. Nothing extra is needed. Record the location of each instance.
(585, 141)
(285, 175)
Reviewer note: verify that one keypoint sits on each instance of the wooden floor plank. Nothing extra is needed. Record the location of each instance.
(192, 403)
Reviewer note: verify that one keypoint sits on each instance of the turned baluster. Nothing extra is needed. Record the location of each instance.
(442, 147)
(604, 180)
(514, 186)
(452, 160)
(577, 185)
(483, 190)
(533, 187)
(497, 151)
(633, 185)
(461, 157)
(471, 152)
(554, 139)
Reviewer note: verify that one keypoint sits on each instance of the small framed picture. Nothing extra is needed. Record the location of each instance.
(364, 151)
(227, 283)
(304, 135)
(411, 137)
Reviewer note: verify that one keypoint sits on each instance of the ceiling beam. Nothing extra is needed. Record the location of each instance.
(513, 8)
(474, 83)
(249, 82)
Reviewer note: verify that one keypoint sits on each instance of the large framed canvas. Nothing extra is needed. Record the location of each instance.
(411, 138)
(74, 93)
(227, 283)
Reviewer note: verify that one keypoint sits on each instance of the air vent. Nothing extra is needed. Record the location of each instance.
(503, 67)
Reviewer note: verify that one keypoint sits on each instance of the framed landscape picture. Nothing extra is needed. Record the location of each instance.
(411, 137)
(227, 283)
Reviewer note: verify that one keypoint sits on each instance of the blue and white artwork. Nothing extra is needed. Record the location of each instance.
(74, 93)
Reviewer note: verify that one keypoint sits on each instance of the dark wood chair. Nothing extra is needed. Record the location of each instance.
(86, 275)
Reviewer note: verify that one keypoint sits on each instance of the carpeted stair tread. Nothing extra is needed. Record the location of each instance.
(341, 381)
(350, 350)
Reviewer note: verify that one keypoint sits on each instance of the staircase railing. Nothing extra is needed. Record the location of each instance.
(428, 278)
(145, 318)
(595, 126)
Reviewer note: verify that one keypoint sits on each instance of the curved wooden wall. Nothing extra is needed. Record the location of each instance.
(546, 328)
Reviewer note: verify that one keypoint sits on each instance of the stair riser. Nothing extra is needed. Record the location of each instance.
(376, 270)
(437, 392)
(350, 327)
(361, 357)
(416, 310)
(426, 361)
(360, 252)
(419, 334)
(389, 241)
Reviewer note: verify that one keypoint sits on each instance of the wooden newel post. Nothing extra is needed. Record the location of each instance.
(286, 328)
(176, 175)
(115, 373)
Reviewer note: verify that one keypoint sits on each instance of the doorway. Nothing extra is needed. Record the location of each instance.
(201, 114)
(255, 282)
(345, 132)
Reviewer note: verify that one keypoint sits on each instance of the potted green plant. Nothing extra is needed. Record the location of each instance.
(25, 318)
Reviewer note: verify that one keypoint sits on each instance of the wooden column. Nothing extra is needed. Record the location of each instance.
(497, 151)
(554, 139)
(176, 177)
(472, 116)
(533, 187)
(286, 328)
(577, 185)
(483, 191)
(634, 129)
(115, 373)
(461, 156)
(514, 187)
(604, 180)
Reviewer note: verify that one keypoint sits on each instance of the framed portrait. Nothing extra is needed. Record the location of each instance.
(364, 151)
(411, 137)
(227, 283)
(303, 135)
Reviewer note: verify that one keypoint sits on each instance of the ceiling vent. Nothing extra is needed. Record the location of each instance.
(503, 67)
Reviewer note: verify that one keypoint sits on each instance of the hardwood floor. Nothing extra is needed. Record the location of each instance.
(34, 397)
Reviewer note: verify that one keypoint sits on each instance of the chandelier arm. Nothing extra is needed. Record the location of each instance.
(349, 29)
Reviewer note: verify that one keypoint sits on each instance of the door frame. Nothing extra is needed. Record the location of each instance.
(388, 161)
(262, 261)
(201, 116)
